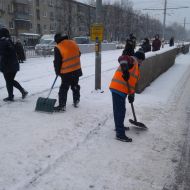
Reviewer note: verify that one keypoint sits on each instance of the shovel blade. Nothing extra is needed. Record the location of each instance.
(45, 105)
(138, 124)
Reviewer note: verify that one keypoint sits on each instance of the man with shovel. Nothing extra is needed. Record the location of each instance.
(123, 83)
(67, 66)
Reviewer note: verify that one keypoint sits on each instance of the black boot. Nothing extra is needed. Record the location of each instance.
(24, 94)
(9, 99)
(76, 103)
(123, 138)
(59, 108)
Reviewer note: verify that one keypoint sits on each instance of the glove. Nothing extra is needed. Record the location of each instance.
(126, 76)
(131, 98)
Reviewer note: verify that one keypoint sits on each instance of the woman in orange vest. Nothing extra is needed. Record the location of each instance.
(123, 83)
(67, 66)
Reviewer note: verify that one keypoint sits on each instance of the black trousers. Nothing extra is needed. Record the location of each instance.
(10, 83)
(67, 82)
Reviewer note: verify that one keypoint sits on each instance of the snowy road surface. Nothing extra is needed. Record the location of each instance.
(77, 150)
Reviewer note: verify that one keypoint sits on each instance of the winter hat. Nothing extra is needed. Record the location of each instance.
(125, 59)
(4, 33)
(59, 37)
(139, 55)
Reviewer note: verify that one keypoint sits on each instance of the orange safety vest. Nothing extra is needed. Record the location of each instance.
(70, 56)
(127, 87)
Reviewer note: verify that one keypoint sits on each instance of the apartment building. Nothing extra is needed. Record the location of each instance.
(46, 17)
(16, 15)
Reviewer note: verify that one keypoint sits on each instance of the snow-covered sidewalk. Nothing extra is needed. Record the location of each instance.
(77, 149)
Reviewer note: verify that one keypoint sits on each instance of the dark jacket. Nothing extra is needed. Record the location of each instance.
(20, 51)
(129, 46)
(8, 58)
(156, 44)
(146, 45)
(58, 62)
(172, 41)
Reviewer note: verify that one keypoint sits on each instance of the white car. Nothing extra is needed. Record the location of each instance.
(45, 47)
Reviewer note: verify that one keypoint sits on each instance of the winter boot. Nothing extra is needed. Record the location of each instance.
(76, 103)
(9, 99)
(24, 94)
(123, 138)
(59, 108)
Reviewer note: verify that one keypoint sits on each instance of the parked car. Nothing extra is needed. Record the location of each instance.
(82, 40)
(46, 45)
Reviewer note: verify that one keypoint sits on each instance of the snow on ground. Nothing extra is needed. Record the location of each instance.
(77, 149)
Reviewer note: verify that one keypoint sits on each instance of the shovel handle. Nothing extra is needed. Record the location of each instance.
(133, 110)
(52, 86)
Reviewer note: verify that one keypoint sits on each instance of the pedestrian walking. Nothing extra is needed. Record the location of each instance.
(146, 45)
(171, 41)
(67, 66)
(156, 43)
(9, 65)
(20, 51)
(130, 45)
(122, 85)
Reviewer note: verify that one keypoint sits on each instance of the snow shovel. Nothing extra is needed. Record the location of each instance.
(135, 122)
(46, 104)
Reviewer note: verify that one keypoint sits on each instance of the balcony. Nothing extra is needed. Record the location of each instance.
(22, 17)
(21, 2)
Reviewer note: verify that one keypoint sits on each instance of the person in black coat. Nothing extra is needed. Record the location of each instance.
(171, 41)
(130, 45)
(9, 65)
(20, 51)
(146, 45)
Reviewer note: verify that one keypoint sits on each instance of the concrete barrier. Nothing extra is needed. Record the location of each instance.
(154, 66)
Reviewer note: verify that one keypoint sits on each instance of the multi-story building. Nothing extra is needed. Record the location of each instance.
(16, 15)
(46, 17)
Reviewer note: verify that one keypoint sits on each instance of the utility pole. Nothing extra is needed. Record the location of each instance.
(98, 47)
(184, 22)
(164, 21)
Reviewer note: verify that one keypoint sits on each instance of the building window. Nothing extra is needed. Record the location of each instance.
(10, 8)
(51, 2)
(38, 14)
(45, 14)
(52, 27)
(38, 29)
(11, 25)
(2, 5)
(51, 15)
(37, 3)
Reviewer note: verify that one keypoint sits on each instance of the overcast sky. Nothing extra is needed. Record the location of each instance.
(175, 15)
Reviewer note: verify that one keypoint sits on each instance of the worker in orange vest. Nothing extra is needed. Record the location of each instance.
(67, 66)
(123, 83)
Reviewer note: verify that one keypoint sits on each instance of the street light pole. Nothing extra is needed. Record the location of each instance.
(98, 47)
(164, 21)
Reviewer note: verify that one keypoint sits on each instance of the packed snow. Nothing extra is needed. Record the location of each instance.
(77, 150)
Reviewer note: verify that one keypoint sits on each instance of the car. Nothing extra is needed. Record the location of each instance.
(82, 40)
(46, 45)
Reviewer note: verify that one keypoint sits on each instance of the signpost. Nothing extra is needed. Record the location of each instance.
(97, 31)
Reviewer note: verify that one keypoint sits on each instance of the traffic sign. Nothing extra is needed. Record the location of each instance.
(97, 31)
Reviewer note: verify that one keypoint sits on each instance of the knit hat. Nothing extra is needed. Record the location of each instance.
(59, 37)
(139, 55)
(125, 59)
(4, 33)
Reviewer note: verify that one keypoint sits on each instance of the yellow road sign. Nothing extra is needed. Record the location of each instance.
(97, 31)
